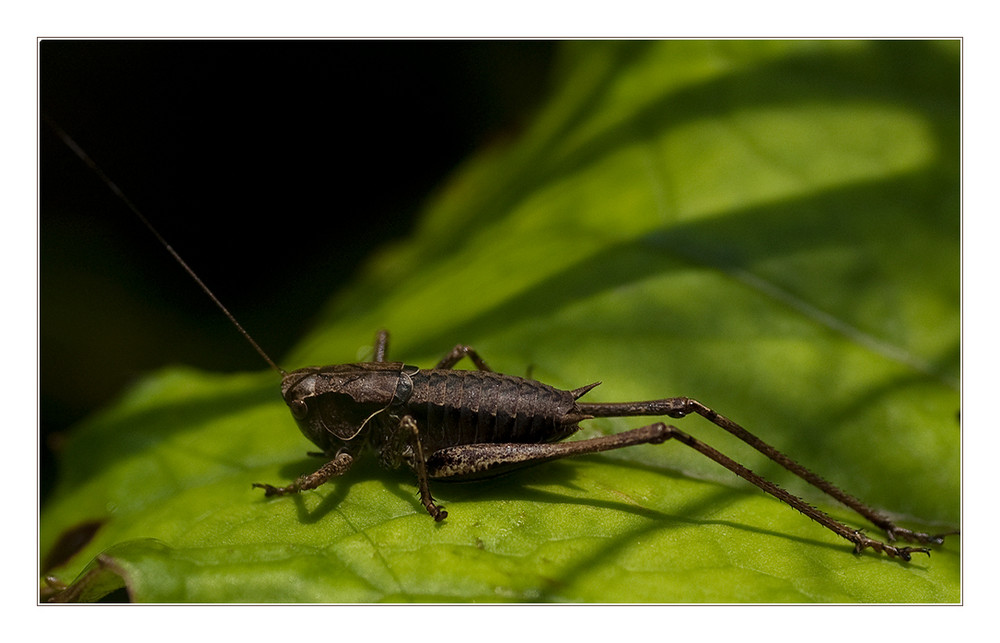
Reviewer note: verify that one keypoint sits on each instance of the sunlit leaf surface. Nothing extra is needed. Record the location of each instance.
(772, 228)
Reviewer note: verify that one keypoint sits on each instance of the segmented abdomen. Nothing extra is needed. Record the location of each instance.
(470, 407)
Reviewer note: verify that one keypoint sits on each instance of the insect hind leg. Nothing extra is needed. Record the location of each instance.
(679, 407)
(856, 536)
(479, 460)
(485, 460)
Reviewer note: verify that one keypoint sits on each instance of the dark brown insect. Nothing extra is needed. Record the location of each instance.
(464, 425)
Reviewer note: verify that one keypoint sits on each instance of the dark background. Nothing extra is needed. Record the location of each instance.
(273, 167)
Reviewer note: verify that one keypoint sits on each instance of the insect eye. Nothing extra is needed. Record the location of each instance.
(299, 409)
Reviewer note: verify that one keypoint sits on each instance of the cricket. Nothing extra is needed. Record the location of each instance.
(448, 424)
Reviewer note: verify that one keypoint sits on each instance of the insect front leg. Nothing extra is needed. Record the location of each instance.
(381, 345)
(336, 467)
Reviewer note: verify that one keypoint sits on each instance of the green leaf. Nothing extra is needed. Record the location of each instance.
(770, 227)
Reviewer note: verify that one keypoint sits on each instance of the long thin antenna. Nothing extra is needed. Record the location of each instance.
(121, 195)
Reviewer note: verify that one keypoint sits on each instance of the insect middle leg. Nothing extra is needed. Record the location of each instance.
(448, 361)
(460, 351)
(404, 445)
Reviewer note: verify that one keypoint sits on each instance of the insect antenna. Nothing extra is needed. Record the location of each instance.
(135, 210)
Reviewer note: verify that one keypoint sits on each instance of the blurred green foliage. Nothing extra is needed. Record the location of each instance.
(771, 227)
